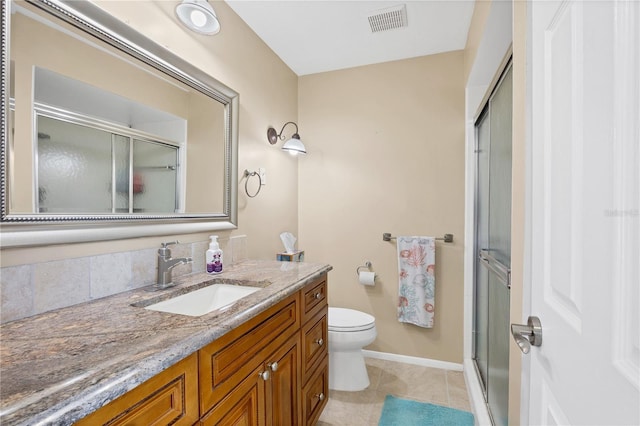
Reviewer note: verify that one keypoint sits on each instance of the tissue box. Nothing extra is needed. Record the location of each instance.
(297, 256)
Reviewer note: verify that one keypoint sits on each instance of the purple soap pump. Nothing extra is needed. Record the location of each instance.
(214, 256)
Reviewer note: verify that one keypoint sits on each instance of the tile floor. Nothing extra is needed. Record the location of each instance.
(442, 387)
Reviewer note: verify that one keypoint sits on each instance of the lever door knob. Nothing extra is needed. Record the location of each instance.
(527, 335)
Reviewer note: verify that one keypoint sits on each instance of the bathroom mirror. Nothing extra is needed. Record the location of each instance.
(106, 134)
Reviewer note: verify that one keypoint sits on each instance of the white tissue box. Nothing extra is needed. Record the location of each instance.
(297, 256)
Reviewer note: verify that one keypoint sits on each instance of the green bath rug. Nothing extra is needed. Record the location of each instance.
(403, 412)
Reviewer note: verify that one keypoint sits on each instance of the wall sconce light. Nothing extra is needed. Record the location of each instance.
(198, 16)
(294, 145)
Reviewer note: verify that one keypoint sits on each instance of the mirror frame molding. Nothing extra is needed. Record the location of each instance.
(21, 230)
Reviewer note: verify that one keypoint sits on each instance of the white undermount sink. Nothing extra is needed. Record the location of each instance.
(204, 300)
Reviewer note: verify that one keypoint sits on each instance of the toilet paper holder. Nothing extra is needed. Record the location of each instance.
(367, 265)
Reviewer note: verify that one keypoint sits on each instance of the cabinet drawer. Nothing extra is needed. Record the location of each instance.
(314, 343)
(315, 394)
(314, 298)
(228, 360)
(171, 397)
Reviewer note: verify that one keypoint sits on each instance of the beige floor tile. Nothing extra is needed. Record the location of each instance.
(415, 382)
(409, 381)
(458, 395)
(348, 408)
(374, 369)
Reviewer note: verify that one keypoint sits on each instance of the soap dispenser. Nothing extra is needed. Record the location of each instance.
(214, 256)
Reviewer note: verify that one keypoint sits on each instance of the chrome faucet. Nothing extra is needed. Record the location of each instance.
(166, 265)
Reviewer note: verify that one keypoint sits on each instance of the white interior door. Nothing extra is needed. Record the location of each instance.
(584, 66)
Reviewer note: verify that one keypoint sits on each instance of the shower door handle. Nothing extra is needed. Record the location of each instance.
(527, 335)
(502, 272)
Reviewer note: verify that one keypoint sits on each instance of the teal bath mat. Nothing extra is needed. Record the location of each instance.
(403, 412)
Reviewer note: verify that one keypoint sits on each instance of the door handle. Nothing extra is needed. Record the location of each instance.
(527, 335)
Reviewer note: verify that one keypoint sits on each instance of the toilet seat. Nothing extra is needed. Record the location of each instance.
(349, 320)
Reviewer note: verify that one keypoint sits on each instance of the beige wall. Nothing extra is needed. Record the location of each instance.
(386, 147)
(268, 96)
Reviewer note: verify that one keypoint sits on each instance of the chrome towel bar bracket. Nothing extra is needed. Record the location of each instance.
(447, 238)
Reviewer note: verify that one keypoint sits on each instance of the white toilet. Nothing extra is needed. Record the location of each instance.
(349, 332)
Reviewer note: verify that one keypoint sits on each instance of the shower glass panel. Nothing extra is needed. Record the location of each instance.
(493, 247)
(500, 172)
(68, 152)
(121, 155)
(155, 176)
(482, 237)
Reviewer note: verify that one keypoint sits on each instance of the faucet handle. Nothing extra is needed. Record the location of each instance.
(165, 251)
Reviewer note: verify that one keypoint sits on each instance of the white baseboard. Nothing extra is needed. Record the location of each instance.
(476, 397)
(425, 362)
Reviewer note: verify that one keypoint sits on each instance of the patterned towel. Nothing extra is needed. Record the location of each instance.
(417, 283)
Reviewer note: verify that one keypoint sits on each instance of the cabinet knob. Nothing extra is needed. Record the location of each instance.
(265, 375)
(320, 342)
(318, 296)
(320, 396)
(273, 366)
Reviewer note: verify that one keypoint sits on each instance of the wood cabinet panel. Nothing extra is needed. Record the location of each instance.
(314, 297)
(227, 360)
(171, 397)
(315, 394)
(314, 343)
(244, 405)
(283, 391)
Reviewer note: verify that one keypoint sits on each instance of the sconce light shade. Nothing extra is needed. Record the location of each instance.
(198, 16)
(294, 145)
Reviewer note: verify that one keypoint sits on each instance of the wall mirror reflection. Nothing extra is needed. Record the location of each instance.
(105, 126)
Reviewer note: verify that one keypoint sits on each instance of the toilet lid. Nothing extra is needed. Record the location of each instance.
(341, 319)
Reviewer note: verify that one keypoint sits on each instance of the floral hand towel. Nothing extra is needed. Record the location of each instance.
(417, 283)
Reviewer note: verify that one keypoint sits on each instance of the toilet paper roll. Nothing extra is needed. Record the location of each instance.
(367, 278)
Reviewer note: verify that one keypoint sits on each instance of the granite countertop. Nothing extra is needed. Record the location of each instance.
(59, 366)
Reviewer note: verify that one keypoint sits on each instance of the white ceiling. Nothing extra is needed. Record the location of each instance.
(313, 36)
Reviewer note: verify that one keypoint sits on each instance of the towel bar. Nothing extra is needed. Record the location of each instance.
(447, 238)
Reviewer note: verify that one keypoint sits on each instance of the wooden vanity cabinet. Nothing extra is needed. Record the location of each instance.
(270, 371)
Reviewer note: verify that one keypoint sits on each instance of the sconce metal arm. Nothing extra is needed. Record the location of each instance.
(273, 136)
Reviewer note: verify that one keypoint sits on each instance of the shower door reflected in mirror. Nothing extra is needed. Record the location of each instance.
(111, 172)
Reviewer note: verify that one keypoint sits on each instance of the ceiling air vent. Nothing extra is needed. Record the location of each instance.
(388, 19)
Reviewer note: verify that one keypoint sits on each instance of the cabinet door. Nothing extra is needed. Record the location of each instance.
(171, 397)
(283, 388)
(243, 406)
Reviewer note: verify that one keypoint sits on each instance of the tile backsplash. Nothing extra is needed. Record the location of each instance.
(28, 290)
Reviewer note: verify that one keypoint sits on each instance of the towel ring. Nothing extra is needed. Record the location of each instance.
(247, 175)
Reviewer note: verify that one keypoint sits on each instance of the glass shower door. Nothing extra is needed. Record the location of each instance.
(493, 249)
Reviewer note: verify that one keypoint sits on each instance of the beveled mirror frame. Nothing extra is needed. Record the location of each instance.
(20, 230)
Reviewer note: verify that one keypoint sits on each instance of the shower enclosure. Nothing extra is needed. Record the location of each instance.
(493, 248)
